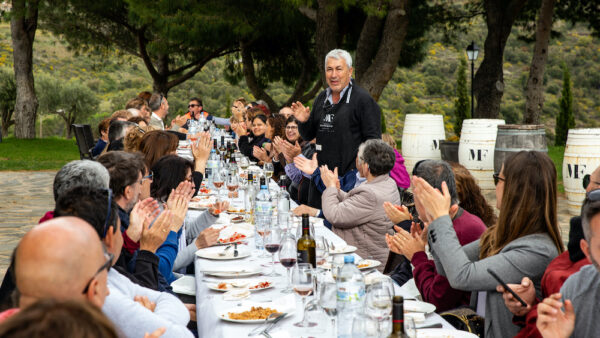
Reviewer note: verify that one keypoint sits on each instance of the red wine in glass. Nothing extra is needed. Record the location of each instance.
(272, 248)
(287, 262)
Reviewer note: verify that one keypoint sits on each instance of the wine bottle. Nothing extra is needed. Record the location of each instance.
(398, 318)
(306, 244)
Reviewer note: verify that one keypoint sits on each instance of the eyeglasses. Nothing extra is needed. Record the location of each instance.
(148, 177)
(291, 127)
(193, 105)
(497, 179)
(106, 266)
(108, 212)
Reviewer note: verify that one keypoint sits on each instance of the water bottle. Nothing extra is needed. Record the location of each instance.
(350, 296)
(212, 165)
(283, 204)
(262, 212)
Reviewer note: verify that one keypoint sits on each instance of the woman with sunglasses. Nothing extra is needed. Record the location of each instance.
(521, 244)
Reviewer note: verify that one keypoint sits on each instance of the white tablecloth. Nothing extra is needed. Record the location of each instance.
(209, 302)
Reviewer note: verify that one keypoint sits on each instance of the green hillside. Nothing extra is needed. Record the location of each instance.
(428, 87)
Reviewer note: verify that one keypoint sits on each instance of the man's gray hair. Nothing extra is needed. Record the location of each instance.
(339, 54)
(155, 101)
(435, 172)
(589, 209)
(378, 155)
(80, 173)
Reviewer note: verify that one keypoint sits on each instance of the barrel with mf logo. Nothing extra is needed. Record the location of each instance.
(476, 149)
(582, 156)
(420, 138)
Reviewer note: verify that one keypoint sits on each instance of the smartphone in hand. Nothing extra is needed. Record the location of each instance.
(506, 287)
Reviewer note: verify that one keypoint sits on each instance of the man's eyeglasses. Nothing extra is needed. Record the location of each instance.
(148, 177)
(497, 179)
(108, 212)
(193, 105)
(106, 266)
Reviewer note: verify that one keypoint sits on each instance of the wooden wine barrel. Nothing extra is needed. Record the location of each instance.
(420, 138)
(512, 138)
(476, 149)
(582, 156)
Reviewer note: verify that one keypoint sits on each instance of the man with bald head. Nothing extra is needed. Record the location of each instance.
(61, 259)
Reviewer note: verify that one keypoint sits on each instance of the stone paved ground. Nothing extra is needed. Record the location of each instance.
(26, 196)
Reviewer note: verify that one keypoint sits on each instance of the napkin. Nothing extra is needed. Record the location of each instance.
(285, 304)
(236, 294)
(185, 285)
(418, 317)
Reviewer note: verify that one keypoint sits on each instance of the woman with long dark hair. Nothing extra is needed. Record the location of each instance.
(522, 243)
(470, 197)
(246, 143)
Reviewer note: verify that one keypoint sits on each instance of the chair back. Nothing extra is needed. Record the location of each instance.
(83, 141)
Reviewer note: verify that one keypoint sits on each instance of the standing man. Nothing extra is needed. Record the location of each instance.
(343, 116)
(160, 108)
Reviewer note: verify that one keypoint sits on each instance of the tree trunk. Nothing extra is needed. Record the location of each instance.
(534, 92)
(386, 60)
(366, 47)
(250, 77)
(326, 33)
(488, 85)
(23, 25)
(160, 83)
(7, 121)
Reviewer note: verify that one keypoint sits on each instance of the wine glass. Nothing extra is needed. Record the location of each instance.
(232, 184)
(283, 218)
(217, 181)
(243, 162)
(303, 281)
(337, 262)
(322, 250)
(272, 245)
(328, 302)
(379, 304)
(288, 254)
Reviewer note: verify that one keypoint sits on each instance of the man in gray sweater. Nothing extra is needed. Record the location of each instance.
(581, 291)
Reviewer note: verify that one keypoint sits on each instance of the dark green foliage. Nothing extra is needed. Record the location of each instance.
(461, 104)
(8, 95)
(383, 124)
(565, 119)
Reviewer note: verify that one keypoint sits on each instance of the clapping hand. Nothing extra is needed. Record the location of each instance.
(552, 321)
(240, 129)
(143, 212)
(261, 154)
(525, 290)
(305, 165)
(218, 207)
(329, 178)
(300, 112)
(178, 203)
(201, 152)
(436, 203)
(396, 213)
(405, 243)
(153, 237)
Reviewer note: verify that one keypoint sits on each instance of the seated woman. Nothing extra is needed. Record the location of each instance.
(246, 143)
(157, 143)
(103, 139)
(357, 216)
(268, 153)
(398, 173)
(169, 172)
(522, 243)
(470, 197)
(434, 288)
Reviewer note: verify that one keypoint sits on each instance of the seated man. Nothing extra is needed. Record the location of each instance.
(133, 308)
(116, 133)
(358, 216)
(434, 288)
(575, 314)
(60, 259)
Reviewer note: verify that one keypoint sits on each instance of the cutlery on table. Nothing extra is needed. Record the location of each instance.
(258, 330)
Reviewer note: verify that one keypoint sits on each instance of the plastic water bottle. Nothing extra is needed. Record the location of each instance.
(350, 296)
(283, 204)
(212, 165)
(262, 212)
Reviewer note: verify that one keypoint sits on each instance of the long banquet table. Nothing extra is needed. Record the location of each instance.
(210, 302)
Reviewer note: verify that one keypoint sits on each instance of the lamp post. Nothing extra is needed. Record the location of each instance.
(472, 54)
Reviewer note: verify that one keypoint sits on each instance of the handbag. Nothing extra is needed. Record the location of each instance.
(465, 319)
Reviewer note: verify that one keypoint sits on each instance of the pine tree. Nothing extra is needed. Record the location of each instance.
(565, 119)
(383, 123)
(461, 104)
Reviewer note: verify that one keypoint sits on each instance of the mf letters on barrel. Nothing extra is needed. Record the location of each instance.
(512, 138)
(476, 149)
(582, 156)
(420, 138)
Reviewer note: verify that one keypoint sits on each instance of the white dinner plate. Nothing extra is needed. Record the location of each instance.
(444, 333)
(215, 253)
(343, 249)
(242, 272)
(224, 315)
(418, 306)
(237, 284)
(370, 263)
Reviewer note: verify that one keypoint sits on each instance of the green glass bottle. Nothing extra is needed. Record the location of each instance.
(306, 244)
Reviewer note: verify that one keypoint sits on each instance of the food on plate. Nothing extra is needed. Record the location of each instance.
(261, 285)
(253, 314)
(204, 191)
(363, 265)
(222, 286)
(216, 212)
(237, 219)
(235, 238)
(234, 210)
